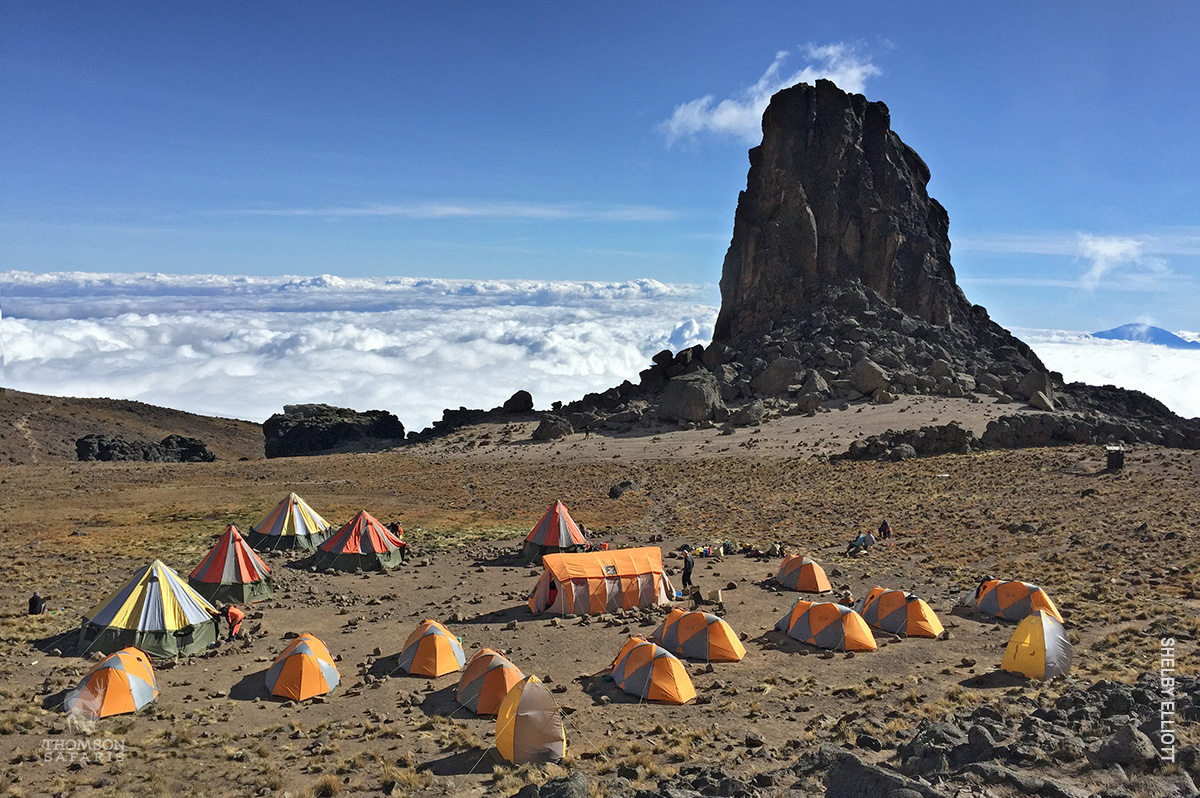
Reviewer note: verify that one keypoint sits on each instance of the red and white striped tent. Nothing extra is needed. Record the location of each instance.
(363, 544)
(232, 572)
(556, 532)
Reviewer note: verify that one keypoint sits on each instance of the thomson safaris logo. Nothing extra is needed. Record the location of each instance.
(79, 744)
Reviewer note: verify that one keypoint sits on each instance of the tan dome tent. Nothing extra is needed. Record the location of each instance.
(529, 726)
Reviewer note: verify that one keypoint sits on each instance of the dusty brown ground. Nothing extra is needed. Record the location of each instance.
(1096, 541)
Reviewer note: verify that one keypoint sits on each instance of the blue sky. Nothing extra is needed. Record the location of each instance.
(536, 141)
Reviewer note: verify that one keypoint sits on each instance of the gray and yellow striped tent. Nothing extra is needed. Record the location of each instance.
(155, 611)
(291, 525)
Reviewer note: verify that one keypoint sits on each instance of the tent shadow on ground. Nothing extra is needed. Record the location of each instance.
(995, 680)
(54, 703)
(967, 613)
(519, 613)
(596, 685)
(775, 639)
(66, 643)
(464, 763)
(508, 560)
(441, 702)
(250, 687)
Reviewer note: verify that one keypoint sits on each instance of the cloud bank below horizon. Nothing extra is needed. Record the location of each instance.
(243, 347)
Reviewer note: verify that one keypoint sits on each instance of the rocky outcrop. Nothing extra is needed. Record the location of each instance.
(834, 196)
(1083, 742)
(172, 449)
(319, 428)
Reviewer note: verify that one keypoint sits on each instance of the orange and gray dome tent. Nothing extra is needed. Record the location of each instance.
(529, 725)
(556, 532)
(121, 682)
(232, 572)
(486, 681)
(827, 625)
(1038, 648)
(899, 613)
(431, 650)
(291, 525)
(362, 544)
(601, 581)
(803, 574)
(699, 635)
(651, 673)
(302, 670)
(154, 611)
(1013, 600)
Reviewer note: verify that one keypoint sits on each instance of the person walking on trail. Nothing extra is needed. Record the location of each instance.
(234, 617)
(688, 564)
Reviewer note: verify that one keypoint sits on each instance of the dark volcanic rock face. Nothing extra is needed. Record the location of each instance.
(172, 449)
(835, 197)
(310, 429)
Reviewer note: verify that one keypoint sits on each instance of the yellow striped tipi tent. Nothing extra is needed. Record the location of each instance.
(291, 525)
(155, 611)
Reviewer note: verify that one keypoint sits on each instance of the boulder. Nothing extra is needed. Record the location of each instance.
(690, 397)
(552, 428)
(1035, 382)
(850, 777)
(815, 383)
(749, 415)
(780, 375)
(1041, 402)
(1127, 747)
(519, 402)
(867, 377)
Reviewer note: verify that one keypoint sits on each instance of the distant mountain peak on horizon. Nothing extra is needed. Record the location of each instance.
(1147, 334)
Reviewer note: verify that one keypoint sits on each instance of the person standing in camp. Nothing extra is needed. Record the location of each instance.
(688, 564)
(234, 617)
(37, 604)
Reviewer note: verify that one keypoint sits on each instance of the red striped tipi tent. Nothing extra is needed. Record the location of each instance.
(232, 572)
(363, 544)
(556, 532)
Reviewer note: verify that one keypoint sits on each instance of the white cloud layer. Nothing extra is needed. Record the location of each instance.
(741, 116)
(245, 346)
(1171, 376)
